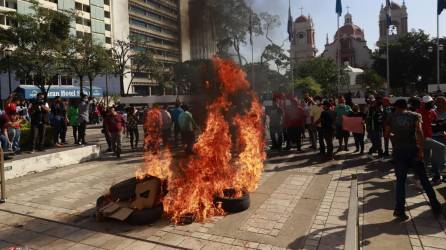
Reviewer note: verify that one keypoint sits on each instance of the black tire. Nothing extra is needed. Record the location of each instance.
(235, 205)
(145, 216)
(124, 190)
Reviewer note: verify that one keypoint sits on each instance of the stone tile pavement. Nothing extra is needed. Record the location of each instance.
(301, 203)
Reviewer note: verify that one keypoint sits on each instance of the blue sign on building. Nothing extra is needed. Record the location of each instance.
(66, 92)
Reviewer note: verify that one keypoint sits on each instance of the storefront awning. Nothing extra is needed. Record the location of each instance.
(67, 92)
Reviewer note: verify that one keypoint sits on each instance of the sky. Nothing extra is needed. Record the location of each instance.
(422, 15)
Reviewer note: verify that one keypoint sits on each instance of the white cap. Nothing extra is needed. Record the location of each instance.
(371, 98)
(427, 99)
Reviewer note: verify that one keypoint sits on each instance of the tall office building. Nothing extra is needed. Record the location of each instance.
(159, 23)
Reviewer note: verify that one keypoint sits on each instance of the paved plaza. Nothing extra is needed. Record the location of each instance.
(301, 203)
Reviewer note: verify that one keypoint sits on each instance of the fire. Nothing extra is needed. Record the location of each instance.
(229, 153)
(157, 159)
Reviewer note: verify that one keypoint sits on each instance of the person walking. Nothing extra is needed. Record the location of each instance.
(388, 110)
(187, 126)
(315, 114)
(176, 125)
(342, 135)
(375, 125)
(294, 123)
(83, 119)
(312, 133)
(439, 135)
(63, 133)
(327, 122)
(39, 111)
(166, 128)
(405, 130)
(59, 114)
(73, 115)
(132, 127)
(275, 126)
(114, 125)
(359, 137)
(434, 150)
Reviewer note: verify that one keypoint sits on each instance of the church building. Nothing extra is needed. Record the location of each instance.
(303, 46)
(354, 50)
(399, 26)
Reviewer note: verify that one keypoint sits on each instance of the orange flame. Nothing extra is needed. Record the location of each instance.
(214, 166)
(157, 160)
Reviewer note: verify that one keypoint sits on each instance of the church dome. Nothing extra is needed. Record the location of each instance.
(350, 30)
(395, 6)
(301, 19)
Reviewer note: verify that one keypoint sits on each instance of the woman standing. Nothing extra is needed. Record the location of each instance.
(73, 114)
(132, 127)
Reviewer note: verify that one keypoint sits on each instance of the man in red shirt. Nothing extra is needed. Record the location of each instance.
(294, 124)
(114, 125)
(433, 150)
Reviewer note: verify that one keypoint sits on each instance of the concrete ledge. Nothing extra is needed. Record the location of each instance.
(35, 164)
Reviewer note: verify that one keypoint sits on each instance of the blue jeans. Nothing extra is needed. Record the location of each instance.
(4, 142)
(57, 128)
(404, 160)
(438, 148)
(14, 136)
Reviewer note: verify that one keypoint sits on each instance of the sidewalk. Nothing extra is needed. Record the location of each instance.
(301, 203)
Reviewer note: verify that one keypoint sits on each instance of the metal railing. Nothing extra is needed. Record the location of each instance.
(352, 232)
(2, 177)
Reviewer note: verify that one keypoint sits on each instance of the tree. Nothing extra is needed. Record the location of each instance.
(84, 58)
(270, 22)
(410, 61)
(144, 62)
(266, 80)
(370, 80)
(322, 70)
(307, 85)
(233, 20)
(276, 54)
(133, 57)
(37, 40)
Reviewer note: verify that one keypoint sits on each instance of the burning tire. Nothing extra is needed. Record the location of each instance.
(146, 216)
(234, 205)
(124, 190)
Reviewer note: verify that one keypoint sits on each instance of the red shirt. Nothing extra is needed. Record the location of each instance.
(294, 116)
(428, 116)
(10, 108)
(114, 123)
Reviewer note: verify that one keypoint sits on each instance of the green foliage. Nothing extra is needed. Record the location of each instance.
(85, 58)
(276, 54)
(232, 19)
(266, 80)
(135, 50)
(410, 61)
(322, 70)
(370, 80)
(307, 85)
(37, 41)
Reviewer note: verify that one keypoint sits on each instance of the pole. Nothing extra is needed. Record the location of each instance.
(2, 177)
(338, 59)
(388, 61)
(438, 53)
(252, 67)
(106, 88)
(9, 74)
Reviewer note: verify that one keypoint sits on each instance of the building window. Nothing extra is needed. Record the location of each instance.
(107, 2)
(107, 40)
(107, 14)
(78, 6)
(86, 8)
(107, 27)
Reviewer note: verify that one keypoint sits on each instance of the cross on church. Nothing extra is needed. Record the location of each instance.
(348, 9)
(301, 11)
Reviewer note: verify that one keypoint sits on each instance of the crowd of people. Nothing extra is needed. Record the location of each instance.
(414, 129)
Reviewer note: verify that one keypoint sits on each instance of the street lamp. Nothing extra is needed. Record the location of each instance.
(8, 53)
